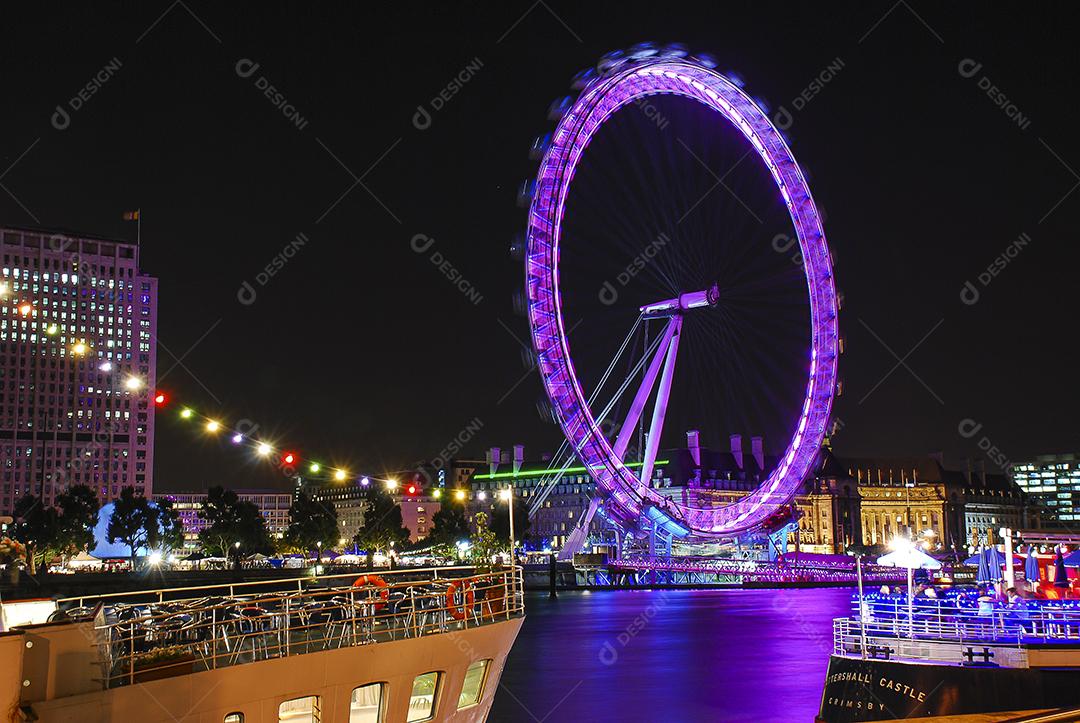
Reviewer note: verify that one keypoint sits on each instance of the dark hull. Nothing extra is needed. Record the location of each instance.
(879, 690)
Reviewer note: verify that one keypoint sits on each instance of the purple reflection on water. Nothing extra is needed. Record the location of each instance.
(671, 655)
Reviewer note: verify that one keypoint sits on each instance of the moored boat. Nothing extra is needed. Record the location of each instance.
(951, 656)
(407, 645)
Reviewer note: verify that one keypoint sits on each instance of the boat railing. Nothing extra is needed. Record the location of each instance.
(952, 629)
(160, 633)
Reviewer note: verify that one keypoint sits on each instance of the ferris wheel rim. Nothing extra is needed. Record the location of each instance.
(628, 497)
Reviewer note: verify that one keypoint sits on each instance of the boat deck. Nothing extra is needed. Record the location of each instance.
(960, 629)
(161, 633)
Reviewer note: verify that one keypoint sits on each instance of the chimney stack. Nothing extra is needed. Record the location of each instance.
(757, 448)
(693, 443)
(982, 471)
(736, 449)
(493, 458)
(519, 457)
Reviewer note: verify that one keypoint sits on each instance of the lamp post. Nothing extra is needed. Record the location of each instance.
(1010, 574)
(508, 495)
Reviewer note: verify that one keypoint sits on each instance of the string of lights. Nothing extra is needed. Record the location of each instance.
(285, 458)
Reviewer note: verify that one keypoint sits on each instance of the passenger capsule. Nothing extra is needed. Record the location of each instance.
(707, 60)
(539, 146)
(583, 78)
(525, 193)
(559, 107)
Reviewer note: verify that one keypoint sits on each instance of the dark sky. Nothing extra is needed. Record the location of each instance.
(360, 349)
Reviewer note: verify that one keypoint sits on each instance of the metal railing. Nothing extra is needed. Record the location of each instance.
(159, 633)
(950, 630)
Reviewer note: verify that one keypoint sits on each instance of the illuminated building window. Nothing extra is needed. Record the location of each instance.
(236, 717)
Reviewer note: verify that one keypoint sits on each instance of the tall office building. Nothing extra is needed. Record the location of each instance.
(273, 506)
(78, 323)
(1053, 480)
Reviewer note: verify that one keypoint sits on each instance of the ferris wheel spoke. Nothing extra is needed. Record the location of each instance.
(626, 431)
(663, 394)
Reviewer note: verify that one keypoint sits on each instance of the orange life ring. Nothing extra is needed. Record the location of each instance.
(456, 612)
(378, 582)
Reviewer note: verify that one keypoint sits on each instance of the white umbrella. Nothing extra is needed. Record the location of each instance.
(908, 555)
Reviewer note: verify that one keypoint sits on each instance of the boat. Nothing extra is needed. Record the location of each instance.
(395, 646)
(958, 654)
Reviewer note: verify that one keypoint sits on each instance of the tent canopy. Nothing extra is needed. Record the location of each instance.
(911, 557)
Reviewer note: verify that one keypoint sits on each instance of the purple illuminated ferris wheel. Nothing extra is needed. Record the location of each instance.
(627, 493)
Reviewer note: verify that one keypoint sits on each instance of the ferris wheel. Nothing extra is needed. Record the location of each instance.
(626, 490)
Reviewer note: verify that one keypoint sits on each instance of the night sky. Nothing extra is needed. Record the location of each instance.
(360, 349)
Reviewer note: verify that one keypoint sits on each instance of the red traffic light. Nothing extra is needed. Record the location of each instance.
(160, 399)
(288, 458)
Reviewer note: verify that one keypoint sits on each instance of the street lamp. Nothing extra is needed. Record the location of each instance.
(459, 495)
(508, 495)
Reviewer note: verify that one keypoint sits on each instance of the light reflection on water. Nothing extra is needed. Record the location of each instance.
(671, 655)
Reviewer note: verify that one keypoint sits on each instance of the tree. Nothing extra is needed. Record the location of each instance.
(483, 546)
(134, 522)
(450, 525)
(34, 526)
(172, 527)
(382, 528)
(312, 524)
(231, 520)
(78, 516)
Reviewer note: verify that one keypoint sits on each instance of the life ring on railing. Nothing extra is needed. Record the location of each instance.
(384, 592)
(468, 594)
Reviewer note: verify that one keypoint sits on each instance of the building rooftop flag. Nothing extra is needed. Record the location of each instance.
(131, 215)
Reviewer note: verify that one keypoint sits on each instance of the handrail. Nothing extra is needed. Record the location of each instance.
(272, 581)
(187, 634)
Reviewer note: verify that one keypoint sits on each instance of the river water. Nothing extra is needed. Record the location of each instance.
(730, 656)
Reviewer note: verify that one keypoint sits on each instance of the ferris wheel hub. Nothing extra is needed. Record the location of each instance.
(683, 302)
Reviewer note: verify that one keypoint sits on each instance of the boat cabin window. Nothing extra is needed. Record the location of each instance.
(300, 710)
(236, 717)
(472, 690)
(425, 689)
(367, 703)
